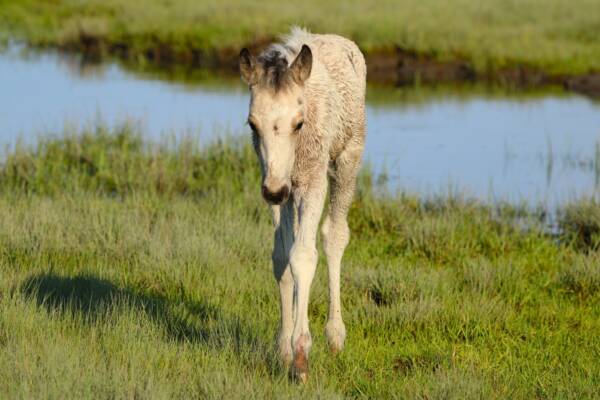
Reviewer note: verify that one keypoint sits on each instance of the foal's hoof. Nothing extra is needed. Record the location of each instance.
(286, 360)
(336, 336)
(335, 349)
(336, 344)
(300, 367)
(285, 354)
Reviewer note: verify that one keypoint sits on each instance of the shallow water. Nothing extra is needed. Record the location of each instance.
(534, 148)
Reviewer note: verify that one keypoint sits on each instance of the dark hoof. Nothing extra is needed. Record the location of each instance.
(300, 367)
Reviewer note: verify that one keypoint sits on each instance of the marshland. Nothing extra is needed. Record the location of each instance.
(133, 261)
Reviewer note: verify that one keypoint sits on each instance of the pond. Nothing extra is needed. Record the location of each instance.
(539, 148)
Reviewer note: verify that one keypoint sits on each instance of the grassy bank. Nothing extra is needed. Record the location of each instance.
(130, 269)
(558, 37)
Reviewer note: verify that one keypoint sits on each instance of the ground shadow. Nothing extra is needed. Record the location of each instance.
(205, 324)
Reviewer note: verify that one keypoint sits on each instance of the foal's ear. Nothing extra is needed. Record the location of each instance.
(302, 65)
(247, 66)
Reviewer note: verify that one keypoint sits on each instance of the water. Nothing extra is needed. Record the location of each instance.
(536, 148)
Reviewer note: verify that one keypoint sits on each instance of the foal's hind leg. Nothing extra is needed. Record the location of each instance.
(336, 235)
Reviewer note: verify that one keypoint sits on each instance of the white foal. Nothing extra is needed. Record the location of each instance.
(307, 115)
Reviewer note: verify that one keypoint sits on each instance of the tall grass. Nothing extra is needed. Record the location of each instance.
(556, 36)
(131, 269)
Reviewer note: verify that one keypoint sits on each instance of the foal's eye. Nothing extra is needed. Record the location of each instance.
(299, 126)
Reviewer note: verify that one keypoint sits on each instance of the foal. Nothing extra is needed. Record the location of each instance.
(307, 115)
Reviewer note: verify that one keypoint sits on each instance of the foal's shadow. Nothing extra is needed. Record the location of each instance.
(183, 320)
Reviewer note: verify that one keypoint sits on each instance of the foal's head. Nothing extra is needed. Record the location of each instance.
(276, 114)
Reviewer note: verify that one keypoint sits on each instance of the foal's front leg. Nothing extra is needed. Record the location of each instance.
(283, 219)
(303, 262)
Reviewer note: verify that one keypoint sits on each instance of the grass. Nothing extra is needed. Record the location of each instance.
(556, 36)
(131, 269)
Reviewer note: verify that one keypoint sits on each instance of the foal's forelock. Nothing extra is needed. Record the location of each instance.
(275, 71)
(274, 68)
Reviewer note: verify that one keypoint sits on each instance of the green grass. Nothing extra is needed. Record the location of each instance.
(131, 269)
(555, 36)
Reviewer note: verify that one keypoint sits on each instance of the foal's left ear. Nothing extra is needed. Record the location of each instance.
(302, 65)
(247, 67)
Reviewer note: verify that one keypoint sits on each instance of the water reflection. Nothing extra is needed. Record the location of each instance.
(534, 147)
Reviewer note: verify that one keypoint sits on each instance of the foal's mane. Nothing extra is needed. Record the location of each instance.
(276, 59)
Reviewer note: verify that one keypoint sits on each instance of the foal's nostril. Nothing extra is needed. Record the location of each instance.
(277, 197)
(265, 192)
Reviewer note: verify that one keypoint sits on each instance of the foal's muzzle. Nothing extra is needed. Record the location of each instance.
(277, 197)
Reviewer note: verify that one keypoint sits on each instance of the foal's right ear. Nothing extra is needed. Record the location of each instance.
(247, 67)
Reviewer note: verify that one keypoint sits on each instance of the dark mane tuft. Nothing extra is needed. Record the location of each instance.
(275, 68)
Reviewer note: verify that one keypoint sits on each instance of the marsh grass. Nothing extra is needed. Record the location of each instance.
(131, 269)
(557, 36)
(581, 223)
